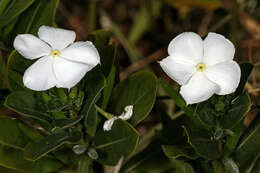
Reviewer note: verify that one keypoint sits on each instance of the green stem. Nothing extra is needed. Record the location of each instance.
(105, 114)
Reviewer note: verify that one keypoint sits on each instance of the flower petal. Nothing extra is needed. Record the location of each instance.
(217, 49)
(39, 76)
(226, 75)
(30, 46)
(187, 46)
(83, 52)
(198, 89)
(69, 73)
(58, 38)
(178, 70)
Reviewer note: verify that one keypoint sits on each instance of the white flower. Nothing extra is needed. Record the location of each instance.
(202, 67)
(62, 63)
(126, 115)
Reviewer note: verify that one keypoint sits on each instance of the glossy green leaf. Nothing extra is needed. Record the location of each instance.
(119, 142)
(15, 8)
(203, 144)
(95, 82)
(36, 150)
(25, 104)
(230, 165)
(175, 152)
(250, 143)
(12, 143)
(237, 111)
(138, 90)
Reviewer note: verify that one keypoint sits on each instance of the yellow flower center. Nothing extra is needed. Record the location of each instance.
(201, 67)
(55, 53)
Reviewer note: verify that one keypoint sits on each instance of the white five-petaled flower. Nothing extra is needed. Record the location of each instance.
(63, 62)
(126, 115)
(202, 67)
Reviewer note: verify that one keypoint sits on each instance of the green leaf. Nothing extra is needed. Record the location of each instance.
(203, 144)
(138, 90)
(42, 12)
(238, 110)
(15, 9)
(109, 87)
(84, 164)
(246, 70)
(36, 150)
(15, 138)
(13, 158)
(230, 165)
(16, 67)
(107, 52)
(119, 142)
(175, 152)
(233, 140)
(183, 167)
(46, 16)
(12, 143)
(6, 170)
(95, 82)
(179, 101)
(25, 104)
(177, 98)
(250, 143)
(3, 4)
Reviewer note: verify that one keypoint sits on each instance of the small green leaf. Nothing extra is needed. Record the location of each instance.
(175, 152)
(230, 165)
(203, 144)
(119, 142)
(238, 110)
(138, 90)
(16, 7)
(250, 143)
(36, 150)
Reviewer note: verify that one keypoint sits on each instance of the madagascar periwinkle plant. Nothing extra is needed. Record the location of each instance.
(67, 109)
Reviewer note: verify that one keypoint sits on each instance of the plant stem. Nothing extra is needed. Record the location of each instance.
(105, 114)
